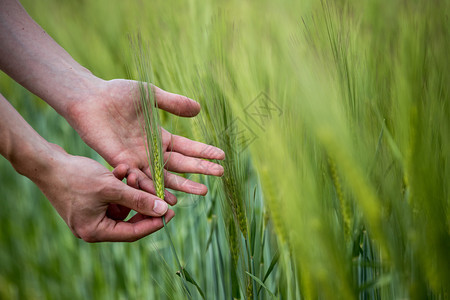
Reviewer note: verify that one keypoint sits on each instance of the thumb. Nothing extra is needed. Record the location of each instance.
(142, 202)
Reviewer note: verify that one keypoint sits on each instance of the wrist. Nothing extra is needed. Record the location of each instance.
(29, 153)
(77, 86)
(36, 162)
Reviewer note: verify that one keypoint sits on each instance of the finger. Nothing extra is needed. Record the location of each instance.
(132, 180)
(141, 181)
(120, 231)
(139, 217)
(176, 104)
(121, 171)
(182, 184)
(147, 185)
(141, 201)
(180, 163)
(195, 149)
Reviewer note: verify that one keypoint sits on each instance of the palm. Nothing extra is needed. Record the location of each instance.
(108, 123)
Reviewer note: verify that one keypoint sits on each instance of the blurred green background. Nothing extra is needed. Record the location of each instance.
(343, 169)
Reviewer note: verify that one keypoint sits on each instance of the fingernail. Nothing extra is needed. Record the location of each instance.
(160, 207)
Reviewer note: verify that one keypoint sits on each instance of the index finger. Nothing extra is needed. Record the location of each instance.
(176, 104)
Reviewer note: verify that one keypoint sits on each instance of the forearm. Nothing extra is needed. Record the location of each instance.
(32, 58)
(21, 145)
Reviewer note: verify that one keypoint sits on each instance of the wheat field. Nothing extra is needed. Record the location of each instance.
(335, 120)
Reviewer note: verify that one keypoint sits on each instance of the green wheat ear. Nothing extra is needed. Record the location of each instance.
(148, 107)
(151, 129)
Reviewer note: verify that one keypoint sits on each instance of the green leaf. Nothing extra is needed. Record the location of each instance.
(376, 283)
(191, 280)
(271, 266)
(260, 283)
(211, 233)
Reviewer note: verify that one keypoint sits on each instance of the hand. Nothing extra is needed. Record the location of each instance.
(107, 121)
(101, 111)
(88, 197)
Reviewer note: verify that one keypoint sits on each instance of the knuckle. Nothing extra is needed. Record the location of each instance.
(203, 165)
(109, 191)
(178, 164)
(139, 202)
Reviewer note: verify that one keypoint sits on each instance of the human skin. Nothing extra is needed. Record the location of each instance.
(92, 200)
(80, 189)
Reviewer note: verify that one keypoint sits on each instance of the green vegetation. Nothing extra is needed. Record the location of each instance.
(335, 119)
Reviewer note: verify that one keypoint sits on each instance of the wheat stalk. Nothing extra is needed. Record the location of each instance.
(148, 108)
